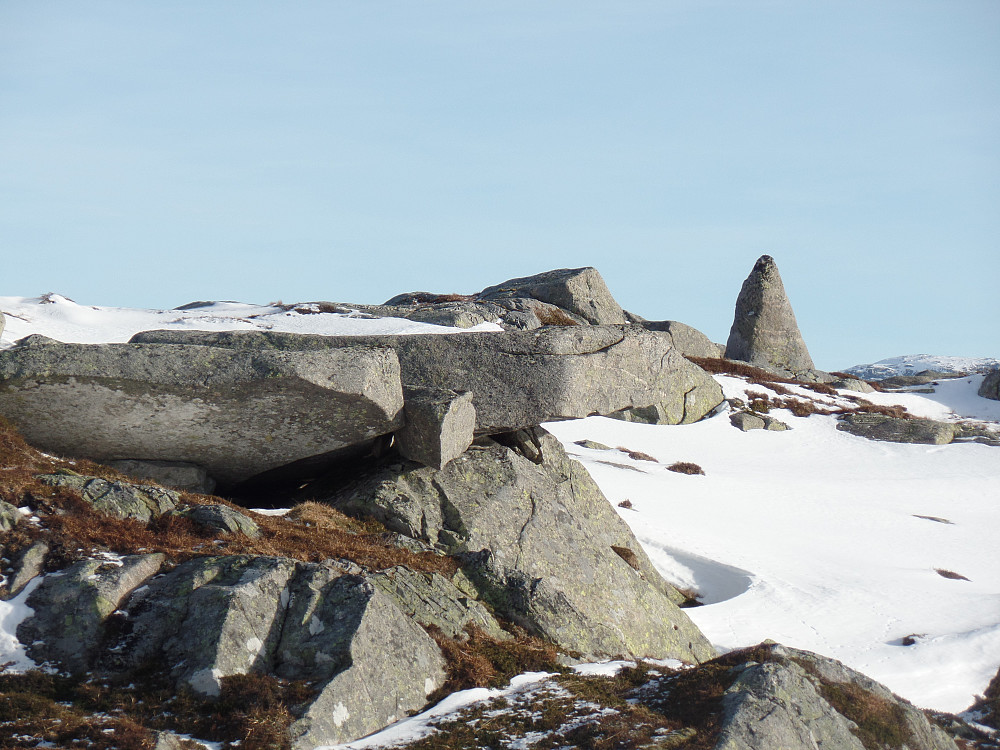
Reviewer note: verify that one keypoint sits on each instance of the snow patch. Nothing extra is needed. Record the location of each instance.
(12, 613)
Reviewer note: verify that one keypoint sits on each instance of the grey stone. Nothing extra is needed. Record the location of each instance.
(222, 519)
(689, 395)
(27, 567)
(377, 664)
(178, 475)
(990, 387)
(853, 384)
(10, 516)
(538, 539)
(526, 313)
(747, 421)
(593, 445)
(782, 703)
(440, 425)
(893, 430)
(689, 341)
(432, 599)
(237, 413)
(119, 499)
(764, 331)
(921, 378)
(208, 618)
(522, 378)
(580, 291)
(70, 608)
(448, 314)
(775, 425)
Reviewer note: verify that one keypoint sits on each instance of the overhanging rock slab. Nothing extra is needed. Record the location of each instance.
(235, 412)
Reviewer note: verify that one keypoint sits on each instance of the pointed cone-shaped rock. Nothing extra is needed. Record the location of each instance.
(764, 331)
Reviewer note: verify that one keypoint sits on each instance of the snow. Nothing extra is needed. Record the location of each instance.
(12, 613)
(911, 364)
(64, 320)
(811, 537)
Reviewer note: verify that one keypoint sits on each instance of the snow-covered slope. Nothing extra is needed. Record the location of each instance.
(910, 364)
(822, 540)
(64, 320)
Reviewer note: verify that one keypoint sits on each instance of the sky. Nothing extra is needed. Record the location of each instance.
(156, 153)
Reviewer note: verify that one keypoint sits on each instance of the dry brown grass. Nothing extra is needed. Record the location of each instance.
(686, 467)
(719, 366)
(554, 316)
(881, 723)
(73, 529)
(626, 503)
(950, 574)
(483, 661)
(637, 455)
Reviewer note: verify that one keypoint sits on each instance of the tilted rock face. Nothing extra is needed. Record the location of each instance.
(581, 291)
(70, 608)
(175, 474)
(795, 699)
(990, 387)
(689, 341)
(440, 425)
(237, 413)
(520, 379)
(540, 542)
(764, 331)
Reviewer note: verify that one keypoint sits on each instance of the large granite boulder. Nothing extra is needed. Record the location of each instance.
(785, 698)
(373, 662)
(119, 499)
(175, 474)
(440, 425)
(539, 541)
(580, 291)
(70, 608)
(520, 379)
(764, 331)
(235, 412)
(990, 387)
(688, 340)
(894, 430)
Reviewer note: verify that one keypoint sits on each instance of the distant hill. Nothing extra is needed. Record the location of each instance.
(910, 364)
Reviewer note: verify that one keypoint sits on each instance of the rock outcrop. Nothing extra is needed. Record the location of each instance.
(235, 412)
(9, 516)
(786, 698)
(990, 387)
(119, 499)
(765, 333)
(895, 430)
(580, 291)
(687, 340)
(538, 539)
(520, 379)
(174, 474)
(440, 425)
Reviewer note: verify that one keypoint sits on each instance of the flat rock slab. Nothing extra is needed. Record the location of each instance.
(521, 379)
(540, 542)
(580, 291)
(893, 430)
(119, 499)
(235, 412)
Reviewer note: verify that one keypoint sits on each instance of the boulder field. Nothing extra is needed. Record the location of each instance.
(434, 439)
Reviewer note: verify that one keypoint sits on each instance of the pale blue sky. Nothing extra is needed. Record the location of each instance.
(154, 153)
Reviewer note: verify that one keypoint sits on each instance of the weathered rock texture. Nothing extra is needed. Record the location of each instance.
(10, 516)
(175, 474)
(71, 606)
(796, 700)
(26, 567)
(119, 499)
(332, 623)
(539, 541)
(764, 331)
(521, 378)
(689, 341)
(235, 412)
(747, 421)
(222, 520)
(440, 425)
(580, 291)
(990, 387)
(890, 429)
(853, 384)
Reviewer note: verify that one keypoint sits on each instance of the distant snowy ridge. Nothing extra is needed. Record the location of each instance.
(910, 364)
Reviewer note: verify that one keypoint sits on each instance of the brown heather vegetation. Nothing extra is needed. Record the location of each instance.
(253, 712)
(637, 455)
(311, 532)
(554, 316)
(686, 467)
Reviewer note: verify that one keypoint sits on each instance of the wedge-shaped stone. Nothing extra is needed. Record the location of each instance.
(237, 413)
(440, 425)
(581, 291)
(374, 664)
(521, 378)
(541, 543)
(70, 608)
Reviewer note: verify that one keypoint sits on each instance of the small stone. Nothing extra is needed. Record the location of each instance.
(746, 421)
